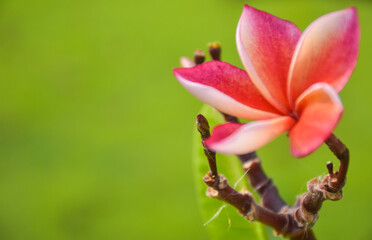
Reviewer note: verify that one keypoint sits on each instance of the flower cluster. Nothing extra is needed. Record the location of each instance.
(290, 82)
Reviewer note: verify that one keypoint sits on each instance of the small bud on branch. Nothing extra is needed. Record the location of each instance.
(199, 56)
(203, 127)
(215, 50)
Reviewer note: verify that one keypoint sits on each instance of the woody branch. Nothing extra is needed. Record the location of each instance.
(243, 201)
(294, 222)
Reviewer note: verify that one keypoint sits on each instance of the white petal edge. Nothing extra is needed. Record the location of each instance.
(253, 136)
(223, 102)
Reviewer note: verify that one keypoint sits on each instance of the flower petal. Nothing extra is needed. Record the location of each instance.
(266, 45)
(319, 109)
(238, 138)
(226, 88)
(186, 62)
(327, 52)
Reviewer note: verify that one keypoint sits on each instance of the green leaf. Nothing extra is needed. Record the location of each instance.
(222, 220)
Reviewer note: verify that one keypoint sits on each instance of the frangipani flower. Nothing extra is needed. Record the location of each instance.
(291, 82)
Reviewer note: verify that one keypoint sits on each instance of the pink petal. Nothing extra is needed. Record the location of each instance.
(237, 138)
(266, 45)
(226, 88)
(327, 52)
(319, 109)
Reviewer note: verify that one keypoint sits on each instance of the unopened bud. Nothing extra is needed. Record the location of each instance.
(215, 50)
(199, 57)
(202, 125)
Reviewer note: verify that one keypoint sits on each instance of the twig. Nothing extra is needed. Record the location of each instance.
(283, 223)
(245, 204)
(269, 193)
(338, 180)
(203, 127)
(329, 188)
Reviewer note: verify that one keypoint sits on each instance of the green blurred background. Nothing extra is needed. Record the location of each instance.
(95, 132)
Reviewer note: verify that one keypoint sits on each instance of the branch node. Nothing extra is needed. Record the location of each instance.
(284, 231)
(262, 186)
(333, 196)
(248, 164)
(305, 218)
(215, 181)
(328, 192)
(212, 193)
(251, 214)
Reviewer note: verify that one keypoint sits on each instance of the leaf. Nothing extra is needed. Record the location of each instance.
(222, 220)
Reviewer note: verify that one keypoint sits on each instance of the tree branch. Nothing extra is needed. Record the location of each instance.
(282, 222)
(245, 204)
(269, 193)
(329, 188)
(338, 179)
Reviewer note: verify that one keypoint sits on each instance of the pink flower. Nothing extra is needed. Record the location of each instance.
(291, 82)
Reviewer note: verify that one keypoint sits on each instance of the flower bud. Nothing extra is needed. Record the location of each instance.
(215, 50)
(202, 126)
(199, 56)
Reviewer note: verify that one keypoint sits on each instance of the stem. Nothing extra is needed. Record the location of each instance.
(292, 222)
(307, 235)
(245, 204)
(229, 118)
(342, 153)
(269, 193)
(329, 188)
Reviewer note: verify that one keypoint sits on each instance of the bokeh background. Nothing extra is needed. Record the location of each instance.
(96, 133)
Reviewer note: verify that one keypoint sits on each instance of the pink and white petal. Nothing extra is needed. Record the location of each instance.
(326, 52)
(226, 88)
(266, 44)
(186, 62)
(238, 138)
(319, 109)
